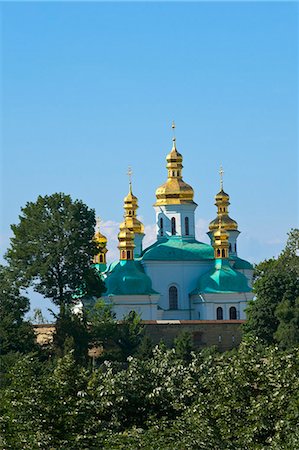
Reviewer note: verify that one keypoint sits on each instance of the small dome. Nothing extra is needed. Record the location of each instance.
(175, 190)
(227, 223)
(100, 238)
(128, 278)
(222, 196)
(222, 279)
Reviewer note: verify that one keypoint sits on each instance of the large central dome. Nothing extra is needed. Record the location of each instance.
(175, 190)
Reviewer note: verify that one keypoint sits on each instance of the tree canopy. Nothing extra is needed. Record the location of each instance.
(274, 315)
(16, 334)
(52, 248)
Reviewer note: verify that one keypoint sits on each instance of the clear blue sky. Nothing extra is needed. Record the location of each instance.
(90, 88)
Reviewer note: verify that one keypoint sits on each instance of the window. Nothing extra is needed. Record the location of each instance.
(235, 247)
(187, 226)
(123, 254)
(161, 227)
(223, 253)
(219, 313)
(101, 258)
(173, 297)
(232, 313)
(128, 254)
(230, 247)
(218, 252)
(173, 230)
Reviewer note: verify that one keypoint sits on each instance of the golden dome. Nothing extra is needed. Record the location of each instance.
(130, 207)
(228, 223)
(175, 190)
(222, 203)
(221, 243)
(101, 242)
(100, 238)
(126, 242)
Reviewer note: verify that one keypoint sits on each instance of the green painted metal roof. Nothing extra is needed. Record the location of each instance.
(128, 278)
(240, 263)
(178, 249)
(221, 279)
(100, 267)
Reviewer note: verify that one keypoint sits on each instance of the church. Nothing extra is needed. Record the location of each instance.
(177, 277)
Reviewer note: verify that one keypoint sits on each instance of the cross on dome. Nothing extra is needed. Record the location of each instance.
(221, 172)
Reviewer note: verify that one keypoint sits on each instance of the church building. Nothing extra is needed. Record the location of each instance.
(177, 277)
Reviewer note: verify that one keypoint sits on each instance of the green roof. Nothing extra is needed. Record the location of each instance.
(128, 278)
(221, 279)
(240, 263)
(178, 249)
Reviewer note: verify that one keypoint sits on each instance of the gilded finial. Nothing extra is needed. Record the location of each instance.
(173, 130)
(221, 172)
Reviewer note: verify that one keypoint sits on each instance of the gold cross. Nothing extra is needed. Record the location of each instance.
(130, 173)
(98, 221)
(173, 128)
(221, 172)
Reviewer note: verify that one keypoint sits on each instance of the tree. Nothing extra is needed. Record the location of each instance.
(16, 334)
(130, 333)
(183, 345)
(274, 315)
(52, 248)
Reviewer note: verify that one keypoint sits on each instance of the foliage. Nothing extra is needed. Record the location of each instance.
(16, 334)
(274, 315)
(244, 399)
(183, 345)
(71, 334)
(53, 246)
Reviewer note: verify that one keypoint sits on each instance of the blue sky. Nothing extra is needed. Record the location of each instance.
(90, 88)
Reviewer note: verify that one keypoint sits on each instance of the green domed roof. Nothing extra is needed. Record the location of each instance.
(221, 279)
(178, 249)
(128, 278)
(240, 263)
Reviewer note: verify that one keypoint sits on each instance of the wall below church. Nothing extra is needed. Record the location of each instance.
(223, 334)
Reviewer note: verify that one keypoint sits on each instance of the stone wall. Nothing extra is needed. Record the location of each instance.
(224, 334)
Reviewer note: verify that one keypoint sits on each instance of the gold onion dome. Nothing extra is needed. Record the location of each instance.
(175, 190)
(101, 242)
(100, 238)
(126, 242)
(221, 243)
(130, 207)
(222, 203)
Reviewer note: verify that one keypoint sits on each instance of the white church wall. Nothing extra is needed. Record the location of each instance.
(182, 274)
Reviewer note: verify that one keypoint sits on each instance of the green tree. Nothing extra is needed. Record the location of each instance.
(274, 315)
(16, 334)
(52, 248)
(183, 345)
(130, 333)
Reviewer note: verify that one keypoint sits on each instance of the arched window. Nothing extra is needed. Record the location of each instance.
(123, 254)
(232, 313)
(187, 226)
(161, 227)
(218, 252)
(223, 253)
(173, 230)
(128, 254)
(101, 258)
(173, 297)
(219, 313)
